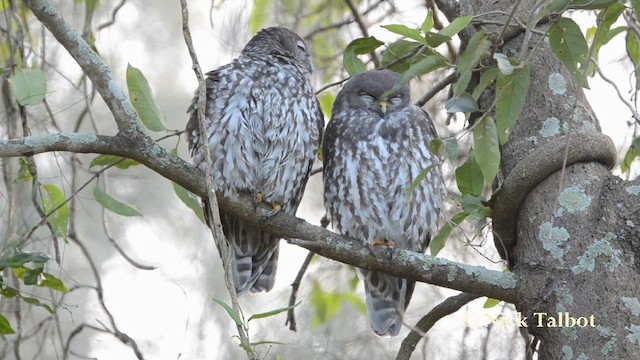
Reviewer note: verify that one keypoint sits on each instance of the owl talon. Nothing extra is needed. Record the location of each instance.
(275, 209)
(390, 244)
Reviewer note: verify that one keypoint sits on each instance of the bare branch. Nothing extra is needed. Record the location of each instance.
(295, 285)
(213, 216)
(447, 307)
(363, 28)
(407, 264)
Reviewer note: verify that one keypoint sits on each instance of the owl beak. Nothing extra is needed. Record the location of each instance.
(383, 106)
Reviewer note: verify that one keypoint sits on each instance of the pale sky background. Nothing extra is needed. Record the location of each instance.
(168, 311)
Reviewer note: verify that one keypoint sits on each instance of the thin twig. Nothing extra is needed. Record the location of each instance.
(295, 285)
(113, 15)
(214, 213)
(447, 307)
(123, 337)
(635, 114)
(363, 29)
(436, 89)
(341, 23)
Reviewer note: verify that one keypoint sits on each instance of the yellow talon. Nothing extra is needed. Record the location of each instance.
(259, 198)
(276, 207)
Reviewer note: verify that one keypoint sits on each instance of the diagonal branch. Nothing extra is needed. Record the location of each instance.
(406, 264)
(132, 143)
(447, 307)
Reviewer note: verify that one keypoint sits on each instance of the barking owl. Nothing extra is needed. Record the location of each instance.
(375, 145)
(264, 126)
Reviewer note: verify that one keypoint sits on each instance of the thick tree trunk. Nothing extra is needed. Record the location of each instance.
(576, 232)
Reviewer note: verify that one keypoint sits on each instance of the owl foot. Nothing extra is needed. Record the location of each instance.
(275, 209)
(390, 244)
(257, 199)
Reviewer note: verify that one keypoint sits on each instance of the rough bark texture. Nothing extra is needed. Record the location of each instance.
(576, 235)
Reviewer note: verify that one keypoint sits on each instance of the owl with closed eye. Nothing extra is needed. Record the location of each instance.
(375, 146)
(264, 126)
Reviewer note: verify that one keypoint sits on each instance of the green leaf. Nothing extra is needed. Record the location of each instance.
(142, 100)
(402, 49)
(356, 301)
(416, 182)
(120, 162)
(463, 103)
(273, 312)
(60, 217)
(438, 242)
(20, 259)
(427, 25)
(24, 174)
(36, 302)
(424, 66)
(511, 92)
(232, 313)
(473, 206)
(361, 46)
(591, 4)
(5, 326)
(9, 292)
(607, 17)
(29, 85)
(259, 15)
(436, 39)
(486, 148)
(326, 103)
(632, 153)
(633, 51)
(456, 26)
(325, 304)
(52, 282)
(188, 199)
(414, 34)
(114, 205)
(486, 79)
(469, 177)
(570, 46)
(491, 303)
(478, 48)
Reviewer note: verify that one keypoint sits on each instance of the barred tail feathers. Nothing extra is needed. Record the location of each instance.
(254, 254)
(387, 298)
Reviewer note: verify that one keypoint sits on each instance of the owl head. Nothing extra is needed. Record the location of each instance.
(281, 43)
(373, 91)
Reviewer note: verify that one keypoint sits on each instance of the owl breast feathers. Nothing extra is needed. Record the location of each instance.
(264, 125)
(375, 145)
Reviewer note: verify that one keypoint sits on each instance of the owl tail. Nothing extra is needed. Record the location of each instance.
(387, 299)
(254, 255)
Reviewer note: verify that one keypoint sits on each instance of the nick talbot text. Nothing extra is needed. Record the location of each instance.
(537, 319)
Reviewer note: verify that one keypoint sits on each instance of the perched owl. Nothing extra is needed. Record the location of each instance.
(264, 125)
(375, 146)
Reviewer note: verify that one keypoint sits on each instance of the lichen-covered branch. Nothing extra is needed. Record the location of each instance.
(437, 271)
(132, 143)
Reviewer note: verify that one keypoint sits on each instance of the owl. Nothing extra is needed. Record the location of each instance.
(264, 127)
(375, 146)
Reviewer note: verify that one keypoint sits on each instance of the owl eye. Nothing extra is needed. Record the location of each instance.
(301, 46)
(365, 97)
(396, 100)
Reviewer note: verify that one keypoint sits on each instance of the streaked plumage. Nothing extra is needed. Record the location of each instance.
(264, 125)
(371, 155)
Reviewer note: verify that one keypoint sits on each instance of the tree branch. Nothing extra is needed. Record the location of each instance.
(132, 143)
(447, 307)
(407, 264)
